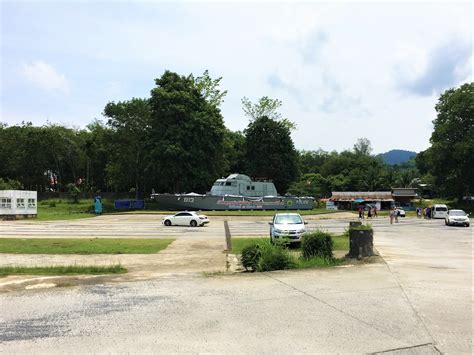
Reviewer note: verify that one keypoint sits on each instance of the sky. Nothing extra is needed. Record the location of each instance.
(343, 70)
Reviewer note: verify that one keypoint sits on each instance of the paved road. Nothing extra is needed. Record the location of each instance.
(148, 226)
(420, 299)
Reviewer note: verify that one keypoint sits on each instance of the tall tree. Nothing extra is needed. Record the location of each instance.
(189, 134)
(363, 146)
(209, 88)
(270, 152)
(451, 154)
(99, 150)
(264, 107)
(130, 120)
(234, 152)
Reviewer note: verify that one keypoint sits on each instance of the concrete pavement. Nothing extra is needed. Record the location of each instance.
(419, 301)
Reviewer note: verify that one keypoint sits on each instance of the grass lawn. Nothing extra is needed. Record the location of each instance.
(82, 246)
(49, 210)
(61, 270)
(239, 213)
(315, 262)
(56, 209)
(341, 242)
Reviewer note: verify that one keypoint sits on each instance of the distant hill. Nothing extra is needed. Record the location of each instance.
(396, 156)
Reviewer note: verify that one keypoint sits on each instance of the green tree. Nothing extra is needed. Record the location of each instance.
(264, 107)
(99, 150)
(313, 185)
(9, 184)
(234, 152)
(131, 122)
(363, 146)
(311, 161)
(450, 158)
(209, 88)
(188, 133)
(270, 152)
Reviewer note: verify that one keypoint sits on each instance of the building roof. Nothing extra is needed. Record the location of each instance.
(349, 196)
(404, 192)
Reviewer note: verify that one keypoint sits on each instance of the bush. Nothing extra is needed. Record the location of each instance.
(266, 257)
(250, 257)
(274, 257)
(318, 243)
(73, 191)
(52, 204)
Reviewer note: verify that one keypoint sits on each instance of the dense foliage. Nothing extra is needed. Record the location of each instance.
(270, 153)
(449, 162)
(317, 244)
(250, 257)
(176, 141)
(265, 256)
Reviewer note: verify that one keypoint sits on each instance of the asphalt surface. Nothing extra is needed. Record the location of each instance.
(419, 301)
(149, 226)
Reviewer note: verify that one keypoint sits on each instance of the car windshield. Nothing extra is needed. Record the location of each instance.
(457, 213)
(288, 219)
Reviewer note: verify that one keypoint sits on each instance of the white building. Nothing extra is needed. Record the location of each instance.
(18, 204)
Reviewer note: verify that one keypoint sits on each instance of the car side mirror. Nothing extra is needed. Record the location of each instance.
(270, 223)
(305, 222)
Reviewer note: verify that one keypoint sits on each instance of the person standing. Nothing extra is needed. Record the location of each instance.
(375, 212)
(392, 214)
(361, 213)
(397, 212)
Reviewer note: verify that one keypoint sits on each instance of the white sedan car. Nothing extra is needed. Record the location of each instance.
(457, 217)
(186, 218)
(401, 212)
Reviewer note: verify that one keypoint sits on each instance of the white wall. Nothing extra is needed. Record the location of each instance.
(28, 207)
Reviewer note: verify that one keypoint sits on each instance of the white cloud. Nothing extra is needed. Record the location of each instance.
(44, 76)
(337, 67)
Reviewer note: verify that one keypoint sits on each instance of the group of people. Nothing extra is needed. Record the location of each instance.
(424, 212)
(371, 212)
(394, 213)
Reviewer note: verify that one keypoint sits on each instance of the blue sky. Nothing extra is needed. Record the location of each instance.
(343, 70)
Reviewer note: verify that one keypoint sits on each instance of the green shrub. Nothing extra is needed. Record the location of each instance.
(318, 243)
(274, 257)
(265, 256)
(250, 257)
(52, 204)
(108, 206)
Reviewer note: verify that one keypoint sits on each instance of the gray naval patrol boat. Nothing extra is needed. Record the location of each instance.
(236, 192)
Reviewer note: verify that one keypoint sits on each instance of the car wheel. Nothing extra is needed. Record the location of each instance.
(167, 223)
(467, 224)
(446, 222)
(193, 223)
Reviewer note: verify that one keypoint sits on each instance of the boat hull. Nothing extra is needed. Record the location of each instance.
(227, 203)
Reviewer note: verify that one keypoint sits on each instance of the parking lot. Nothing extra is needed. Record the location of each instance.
(150, 226)
(418, 299)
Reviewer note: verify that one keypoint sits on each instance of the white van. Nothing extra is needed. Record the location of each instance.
(439, 211)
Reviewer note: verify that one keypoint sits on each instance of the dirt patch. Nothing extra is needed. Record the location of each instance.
(181, 256)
